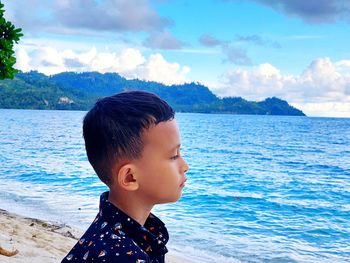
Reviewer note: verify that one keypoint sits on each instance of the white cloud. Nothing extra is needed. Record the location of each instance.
(129, 63)
(47, 60)
(236, 55)
(158, 69)
(22, 59)
(79, 15)
(323, 88)
(320, 11)
(125, 61)
(256, 84)
(163, 40)
(325, 109)
(343, 67)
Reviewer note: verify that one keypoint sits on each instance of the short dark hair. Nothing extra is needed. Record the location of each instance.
(113, 128)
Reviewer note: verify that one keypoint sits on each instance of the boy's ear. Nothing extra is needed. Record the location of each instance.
(126, 177)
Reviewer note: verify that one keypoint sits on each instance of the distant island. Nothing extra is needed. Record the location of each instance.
(78, 91)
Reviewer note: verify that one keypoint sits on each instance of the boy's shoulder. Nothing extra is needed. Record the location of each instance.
(115, 237)
(102, 243)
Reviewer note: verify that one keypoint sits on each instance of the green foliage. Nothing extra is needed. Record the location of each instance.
(35, 91)
(276, 106)
(9, 35)
(78, 91)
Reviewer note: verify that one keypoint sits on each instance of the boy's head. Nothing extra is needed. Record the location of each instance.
(113, 128)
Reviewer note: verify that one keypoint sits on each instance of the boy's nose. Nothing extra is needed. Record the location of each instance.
(185, 166)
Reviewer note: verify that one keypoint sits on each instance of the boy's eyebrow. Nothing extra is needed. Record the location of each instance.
(176, 147)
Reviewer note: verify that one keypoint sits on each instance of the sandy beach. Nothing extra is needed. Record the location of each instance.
(34, 240)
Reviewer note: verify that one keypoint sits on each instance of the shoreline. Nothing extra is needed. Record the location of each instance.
(41, 241)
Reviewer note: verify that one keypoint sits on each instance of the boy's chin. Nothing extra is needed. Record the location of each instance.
(170, 200)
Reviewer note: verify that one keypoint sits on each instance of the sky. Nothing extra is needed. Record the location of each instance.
(295, 50)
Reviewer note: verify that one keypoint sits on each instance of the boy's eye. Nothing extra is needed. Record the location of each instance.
(174, 157)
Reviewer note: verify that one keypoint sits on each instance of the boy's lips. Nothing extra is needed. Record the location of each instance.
(183, 182)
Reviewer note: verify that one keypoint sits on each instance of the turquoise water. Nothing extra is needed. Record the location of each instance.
(260, 188)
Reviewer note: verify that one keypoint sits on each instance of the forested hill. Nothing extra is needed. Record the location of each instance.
(78, 91)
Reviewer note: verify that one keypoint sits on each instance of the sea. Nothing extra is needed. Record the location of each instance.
(259, 189)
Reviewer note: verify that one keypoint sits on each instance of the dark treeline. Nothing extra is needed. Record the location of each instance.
(78, 91)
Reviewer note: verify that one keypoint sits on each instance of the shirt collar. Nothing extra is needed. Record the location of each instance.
(152, 237)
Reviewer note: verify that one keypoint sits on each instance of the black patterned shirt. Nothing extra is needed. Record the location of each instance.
(115, 237)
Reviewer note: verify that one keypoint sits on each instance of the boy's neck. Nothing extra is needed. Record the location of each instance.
(130, 206)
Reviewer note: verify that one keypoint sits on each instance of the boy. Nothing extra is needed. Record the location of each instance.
(132, 141)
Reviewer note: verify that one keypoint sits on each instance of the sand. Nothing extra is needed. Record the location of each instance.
(34, 240)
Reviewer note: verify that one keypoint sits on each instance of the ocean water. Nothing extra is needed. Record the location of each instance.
(259, 189)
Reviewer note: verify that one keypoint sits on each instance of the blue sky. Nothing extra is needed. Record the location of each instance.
(296, 50)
